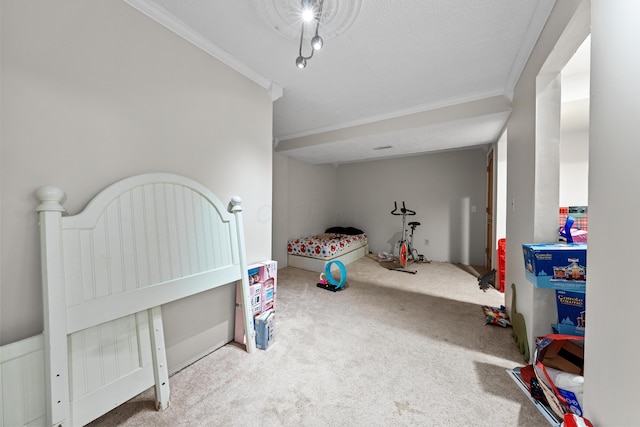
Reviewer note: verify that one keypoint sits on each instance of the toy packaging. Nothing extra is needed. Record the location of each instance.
(262, 293)
(264, 330)
(496, 316)
(571, 312)
(556, 265)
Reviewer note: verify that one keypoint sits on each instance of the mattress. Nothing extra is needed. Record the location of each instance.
(326, 246)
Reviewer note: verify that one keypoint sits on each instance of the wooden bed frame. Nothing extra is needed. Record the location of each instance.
(140, 243)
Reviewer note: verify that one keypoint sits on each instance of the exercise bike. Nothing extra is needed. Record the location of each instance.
(406, 250)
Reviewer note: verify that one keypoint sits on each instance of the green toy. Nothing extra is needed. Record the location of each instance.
(519, 327)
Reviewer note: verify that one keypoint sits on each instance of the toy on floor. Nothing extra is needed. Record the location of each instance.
(519, 327)
(496, 316)
(328, 282)
(487, 280)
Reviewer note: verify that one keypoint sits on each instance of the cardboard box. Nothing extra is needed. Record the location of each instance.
(564, 355)
(556, 265)
(571, 311)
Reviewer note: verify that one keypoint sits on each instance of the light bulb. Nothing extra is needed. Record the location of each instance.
(316, 42)
(301, 62)
(308, 14)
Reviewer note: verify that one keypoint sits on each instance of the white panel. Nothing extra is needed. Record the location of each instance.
(114, 248)
(92, 358)
(183, 236)
(191, 231)
(77, 369)
(107, 352)
(142, 255)
(127, 355)
(13, 373)
(22, 397)
(87, 265)
(100, 258)
(128, 243)
(164, 248)
(101, 310)
(102, 354)
(34, 395)
(198, 223)
(93, 405)
(72, 267)
(172, 230)
(207, 233)
(151, 234)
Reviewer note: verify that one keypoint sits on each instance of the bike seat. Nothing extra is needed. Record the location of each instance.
(414, 224)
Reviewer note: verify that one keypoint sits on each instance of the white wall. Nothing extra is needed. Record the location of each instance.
(305, 201)
(532, 209)
(441, 187)
(574, 168)
(93, 92)
(280, 209)
(611, 380)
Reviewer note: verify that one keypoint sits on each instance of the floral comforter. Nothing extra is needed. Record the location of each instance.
(326, 246)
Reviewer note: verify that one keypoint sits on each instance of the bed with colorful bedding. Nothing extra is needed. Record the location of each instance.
(345, 244)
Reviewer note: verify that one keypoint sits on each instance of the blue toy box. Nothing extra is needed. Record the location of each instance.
(571, 312)
(556, 265)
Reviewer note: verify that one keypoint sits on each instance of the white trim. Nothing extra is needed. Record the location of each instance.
(537, 23)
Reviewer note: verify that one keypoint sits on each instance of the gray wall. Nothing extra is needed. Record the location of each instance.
(93, 92)
(440, 187)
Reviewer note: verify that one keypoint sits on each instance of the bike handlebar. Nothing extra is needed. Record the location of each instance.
(403, 210)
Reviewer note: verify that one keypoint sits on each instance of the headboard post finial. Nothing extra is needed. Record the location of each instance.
(235, 204)
(50, 198)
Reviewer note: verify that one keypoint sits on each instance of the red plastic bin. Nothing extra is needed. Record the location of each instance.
(502, 254)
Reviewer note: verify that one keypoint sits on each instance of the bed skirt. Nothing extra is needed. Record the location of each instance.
(317, 264)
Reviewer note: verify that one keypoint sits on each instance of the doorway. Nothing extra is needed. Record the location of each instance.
(489, 249)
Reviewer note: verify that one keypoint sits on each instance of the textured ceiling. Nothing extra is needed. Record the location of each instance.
(418, 75)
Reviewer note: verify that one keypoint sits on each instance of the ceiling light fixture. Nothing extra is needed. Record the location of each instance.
(311, 12)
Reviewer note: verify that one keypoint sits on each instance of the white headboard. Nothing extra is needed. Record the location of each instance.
(140, 243)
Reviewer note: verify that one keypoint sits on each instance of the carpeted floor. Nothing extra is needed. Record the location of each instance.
(392, 349)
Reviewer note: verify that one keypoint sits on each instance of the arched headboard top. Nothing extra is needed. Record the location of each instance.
(51, 197)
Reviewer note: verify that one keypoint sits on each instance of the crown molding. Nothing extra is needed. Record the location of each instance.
(536, 25)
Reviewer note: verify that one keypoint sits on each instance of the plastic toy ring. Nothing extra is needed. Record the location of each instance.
(343, 273)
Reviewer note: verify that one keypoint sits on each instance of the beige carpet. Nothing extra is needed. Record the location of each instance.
(392, 349)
